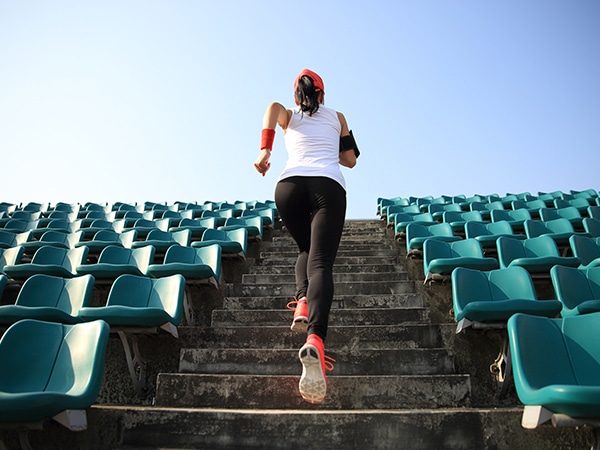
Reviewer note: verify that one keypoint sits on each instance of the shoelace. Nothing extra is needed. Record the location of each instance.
(328, 361)
(294, 304)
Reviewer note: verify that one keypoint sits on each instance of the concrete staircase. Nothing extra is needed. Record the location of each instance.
(395, 384)
(389, 360)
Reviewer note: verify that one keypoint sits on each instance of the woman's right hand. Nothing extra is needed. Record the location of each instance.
(262, 163)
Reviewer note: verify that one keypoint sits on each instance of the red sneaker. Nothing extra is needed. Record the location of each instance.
(300, 321)
(313, 382)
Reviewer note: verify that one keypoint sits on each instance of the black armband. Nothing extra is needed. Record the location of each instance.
(348, 143)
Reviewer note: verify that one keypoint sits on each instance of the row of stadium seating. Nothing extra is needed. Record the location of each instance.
(400, 220)
(549, 347)
(148, 254)
(507, 201)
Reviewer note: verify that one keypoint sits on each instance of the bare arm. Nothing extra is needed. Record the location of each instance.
(276, 114)
(347, 157)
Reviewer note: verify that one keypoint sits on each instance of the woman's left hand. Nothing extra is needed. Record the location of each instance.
(262, 163)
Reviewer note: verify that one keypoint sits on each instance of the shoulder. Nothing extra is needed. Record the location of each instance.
(282, 113)
(345, 131)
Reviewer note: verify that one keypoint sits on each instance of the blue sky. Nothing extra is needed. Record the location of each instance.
(163, 100)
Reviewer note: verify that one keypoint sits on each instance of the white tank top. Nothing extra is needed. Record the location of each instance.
(313, 145)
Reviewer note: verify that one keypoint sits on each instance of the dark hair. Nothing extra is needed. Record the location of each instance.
(306, 95)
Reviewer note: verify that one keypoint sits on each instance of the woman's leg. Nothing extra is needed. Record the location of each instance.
(328, 209)
(293, 205)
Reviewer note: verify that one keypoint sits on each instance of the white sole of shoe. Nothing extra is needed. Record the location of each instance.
(313, 385)
(300, 325)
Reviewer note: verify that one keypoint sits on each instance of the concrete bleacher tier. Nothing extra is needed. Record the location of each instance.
(213, 364)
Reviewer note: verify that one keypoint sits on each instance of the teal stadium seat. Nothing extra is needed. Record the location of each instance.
(587, 249)
(128, 220)
(560, 230)
(549, 197)
(537, 255)
(424, 203)
(532, 206)
(194, 211)
(168, 219)
(441, 258)
(556, 364)
(48, 260)
(592, 226)
(36, 207)
(124, 208)
(465, 204)
(50, 369)
(268, 215)
(593, 212)
(486, 208)
(138, 305)
(580, 203)
(487, 233)
(391, 212)
(515, 217)
(49, 298)
(437, 209)
(10, 256)
(3, 281)
(196, 226)
(417, 234)
(115, 261)
(486, 300)
(104, 238)
(577, 290)
(142, 226)
(90, 230)
(54, 239)
(254, 226)
(162, 240)
(570, 213)
(54, 224)
(457, 220)
(233, 243)
(401, 221)
(494, 296)
(589, 194)
(383, 202)
(27, 216)
(135, 301)
(16, 226)
(9, 239)
(200, 264)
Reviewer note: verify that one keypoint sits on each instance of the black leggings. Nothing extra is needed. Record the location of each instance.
(313, 209)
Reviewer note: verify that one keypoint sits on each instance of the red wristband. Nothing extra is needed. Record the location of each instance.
(267, 136)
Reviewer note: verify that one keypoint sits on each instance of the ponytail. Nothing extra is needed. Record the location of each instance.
(306, 95)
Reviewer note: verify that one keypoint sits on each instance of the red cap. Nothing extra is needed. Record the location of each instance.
(318, 82)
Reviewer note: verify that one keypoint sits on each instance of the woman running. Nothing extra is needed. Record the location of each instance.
(311, 200)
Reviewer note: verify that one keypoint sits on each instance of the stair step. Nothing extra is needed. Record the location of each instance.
(338, 277)
(345, 246)
(130, 427)
(381, 316)
(342, 253)
(339, 338)
(341, 260)
(343, 392)
(344, 288)
(357, 269)
(339, 301)
(299, 429)
(285, 362)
